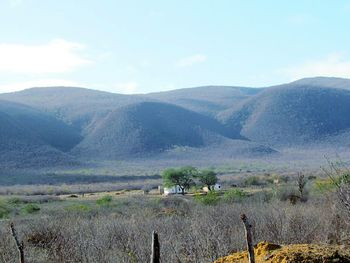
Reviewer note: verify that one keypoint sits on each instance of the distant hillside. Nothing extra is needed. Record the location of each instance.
(42, 126)
(29, 137)
(292, 115)
(76, 106)
(149, 127)
(208, 100)
(324, 82)
(53, 125)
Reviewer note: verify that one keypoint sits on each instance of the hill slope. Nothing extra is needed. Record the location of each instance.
(31, 138)
(150, 127)
(44, 127)
(291, 115)
(208, 100)
(324, 82)
(78, 107)
(57, 122)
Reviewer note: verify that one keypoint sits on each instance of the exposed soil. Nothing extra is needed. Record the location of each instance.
(304, 253)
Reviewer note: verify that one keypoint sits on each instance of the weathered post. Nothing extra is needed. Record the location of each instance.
(19, 245)
(155, 256)
(249, 237)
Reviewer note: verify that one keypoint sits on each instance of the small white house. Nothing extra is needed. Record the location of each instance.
(216, 187)
(172, 190)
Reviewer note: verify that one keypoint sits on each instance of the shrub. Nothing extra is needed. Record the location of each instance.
(4, 209)
(312, 177)
(105, 200)
(324, 185)
(31, 208)
(212, 198)
(343, 178)
(253, 180)
(15, 201)
(264, 196)
(234, 195)
(284, 178)
(291, 194)
(78, 208)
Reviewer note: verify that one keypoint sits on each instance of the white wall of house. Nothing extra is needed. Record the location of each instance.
(216, 187)
(172, 190)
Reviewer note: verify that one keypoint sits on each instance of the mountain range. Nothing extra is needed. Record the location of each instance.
(55, 126)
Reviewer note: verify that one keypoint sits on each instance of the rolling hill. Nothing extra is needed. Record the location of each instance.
(54, 125)
(78, 107)
(208, 100)
(150, 127)
(30, 137)
(289, 115)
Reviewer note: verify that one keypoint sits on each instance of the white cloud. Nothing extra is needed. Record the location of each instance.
(191, 60)
(11, 87)
(57, 56)
(334, 65)
(126, 87)
(15, 3)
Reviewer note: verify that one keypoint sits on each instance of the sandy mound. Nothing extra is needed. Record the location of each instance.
(267, 252)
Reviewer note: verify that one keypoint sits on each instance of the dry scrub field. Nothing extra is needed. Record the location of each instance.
(116, 226)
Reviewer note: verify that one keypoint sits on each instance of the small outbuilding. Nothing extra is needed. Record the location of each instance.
(172, 190)
(216, 187)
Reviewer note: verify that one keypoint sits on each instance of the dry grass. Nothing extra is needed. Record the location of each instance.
(189, 231)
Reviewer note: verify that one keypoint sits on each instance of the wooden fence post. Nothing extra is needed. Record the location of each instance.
(248, 232)
(155, 256)
(19, 245)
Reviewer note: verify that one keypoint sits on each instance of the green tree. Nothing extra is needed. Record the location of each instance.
(183, 177)
(208, 178)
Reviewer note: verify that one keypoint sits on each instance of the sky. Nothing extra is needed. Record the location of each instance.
(142, 46)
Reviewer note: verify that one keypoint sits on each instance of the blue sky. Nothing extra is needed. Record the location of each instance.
(154, 45)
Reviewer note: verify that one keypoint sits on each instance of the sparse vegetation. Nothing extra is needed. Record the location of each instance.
(105, 200)
(31, 208)
(234, 195)
(253, 180)
(4, 209)
(211, 198)
(198, 229)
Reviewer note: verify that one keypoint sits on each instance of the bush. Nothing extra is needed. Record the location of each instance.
(284, 178)
(234, 195)
(291, 194)
(264, 196)
(78, 208)
(15, 201)
(105, 200)
(253, 180)
(31, 208)
(312, 177)
(211, 198)
(322, 186)
(4, 209)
